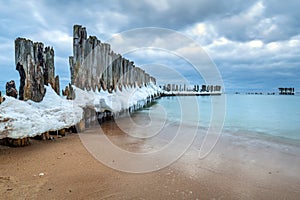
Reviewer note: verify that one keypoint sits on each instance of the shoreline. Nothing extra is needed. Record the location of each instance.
(235, 169)
(263, 137)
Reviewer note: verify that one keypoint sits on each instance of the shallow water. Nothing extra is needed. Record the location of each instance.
(158, 136)
(271, 115)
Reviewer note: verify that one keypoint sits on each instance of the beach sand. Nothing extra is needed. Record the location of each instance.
(237, 168)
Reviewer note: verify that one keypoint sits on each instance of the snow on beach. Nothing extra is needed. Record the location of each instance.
(19, 119)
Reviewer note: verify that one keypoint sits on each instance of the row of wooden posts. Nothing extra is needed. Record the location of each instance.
(93, 65)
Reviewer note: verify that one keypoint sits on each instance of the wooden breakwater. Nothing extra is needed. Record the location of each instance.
(165, 94)
(196, 90)
(93, 66)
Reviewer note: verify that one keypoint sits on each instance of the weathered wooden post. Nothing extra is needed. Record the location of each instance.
(11, 89)
(36, 68)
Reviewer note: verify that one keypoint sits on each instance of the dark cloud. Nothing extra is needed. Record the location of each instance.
(254, 43)
(265, 20)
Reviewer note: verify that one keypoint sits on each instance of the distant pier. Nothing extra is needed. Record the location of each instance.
(286, 91)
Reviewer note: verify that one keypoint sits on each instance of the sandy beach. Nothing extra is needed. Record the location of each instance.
(195, 100)
(238, 168)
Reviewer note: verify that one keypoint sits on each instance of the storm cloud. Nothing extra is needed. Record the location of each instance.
(254, 44)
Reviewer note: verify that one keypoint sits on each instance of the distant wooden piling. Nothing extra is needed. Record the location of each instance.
(286, 91)
(184, 90)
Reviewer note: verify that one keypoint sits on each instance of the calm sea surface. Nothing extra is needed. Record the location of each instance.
(272, 115)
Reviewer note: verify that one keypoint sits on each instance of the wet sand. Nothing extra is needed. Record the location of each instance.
(237, 168)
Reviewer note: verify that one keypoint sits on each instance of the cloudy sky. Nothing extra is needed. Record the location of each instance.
(255, 45)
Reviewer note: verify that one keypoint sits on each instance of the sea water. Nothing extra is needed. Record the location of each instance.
(272, 115)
